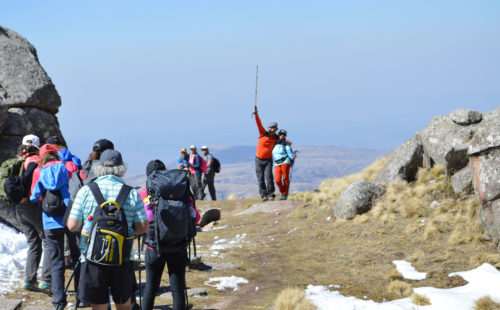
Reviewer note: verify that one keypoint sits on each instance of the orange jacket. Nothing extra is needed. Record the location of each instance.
(266, 142)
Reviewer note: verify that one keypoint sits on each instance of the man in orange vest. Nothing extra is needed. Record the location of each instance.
(264, 158)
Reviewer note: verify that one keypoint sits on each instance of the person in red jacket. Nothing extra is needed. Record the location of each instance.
(264, 158)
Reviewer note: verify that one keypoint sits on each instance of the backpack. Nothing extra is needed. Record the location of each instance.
(203, 165)
(11, 173)
(174, 226)
(74, 185)
(109, 243)
(53, 203)
(216, 165)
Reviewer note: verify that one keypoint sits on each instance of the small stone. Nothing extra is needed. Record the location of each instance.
(465, 117)
(434, 204)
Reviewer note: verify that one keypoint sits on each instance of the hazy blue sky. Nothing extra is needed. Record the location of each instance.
(154, 75)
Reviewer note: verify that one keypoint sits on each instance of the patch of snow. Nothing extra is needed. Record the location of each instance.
(483, 281)
(214, 228)
(434, 204)
(329, 218)
(292, 230)
(13, 254)
(226, 282)
(408, 271)
(222, 244)
(256, 288)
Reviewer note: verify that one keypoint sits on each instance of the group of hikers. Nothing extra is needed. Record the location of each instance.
(86, 208)
(83, 216)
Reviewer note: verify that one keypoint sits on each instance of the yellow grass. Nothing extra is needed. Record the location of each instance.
(486, 303)
(399, 288)
(293, 299)
(420, 300)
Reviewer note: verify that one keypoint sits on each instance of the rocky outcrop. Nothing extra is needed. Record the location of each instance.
(465, 117)
(484, 151)
(28, 100)
(356, 199)
(462, 181)
(402, 164)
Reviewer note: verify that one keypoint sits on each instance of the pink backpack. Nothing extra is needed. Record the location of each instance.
(203, 165)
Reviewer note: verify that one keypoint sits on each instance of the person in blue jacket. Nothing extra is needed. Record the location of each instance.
(283, 159)
(53, 177)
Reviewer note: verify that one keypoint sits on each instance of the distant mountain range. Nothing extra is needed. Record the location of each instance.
(313, 165)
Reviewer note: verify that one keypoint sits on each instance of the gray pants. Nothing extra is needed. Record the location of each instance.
(30, 217)
(196, 186)
(208, 179)
(264, 171)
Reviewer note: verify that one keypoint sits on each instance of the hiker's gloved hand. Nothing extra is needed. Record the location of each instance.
(255, 111)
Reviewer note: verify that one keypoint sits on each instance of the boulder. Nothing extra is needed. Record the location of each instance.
(487, 134)
(465, 117)
(24, 121)
(356, 199)
(23, 81)
(446, 143)
(402, 164)
(209, 216)
(462, 181)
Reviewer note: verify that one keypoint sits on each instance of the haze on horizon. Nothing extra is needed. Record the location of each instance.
(160, 75)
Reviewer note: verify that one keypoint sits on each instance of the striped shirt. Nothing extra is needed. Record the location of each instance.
(110, 185)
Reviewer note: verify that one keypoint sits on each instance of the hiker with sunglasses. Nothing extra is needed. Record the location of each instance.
(283, 159)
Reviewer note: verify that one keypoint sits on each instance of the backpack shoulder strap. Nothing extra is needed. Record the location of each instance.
(94, 188)
(122, 195)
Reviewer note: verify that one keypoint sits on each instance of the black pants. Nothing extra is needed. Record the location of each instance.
(196, 186)
(264, 171)
(29, 216)
(55, 242)
(176, 263)
(208, 179)
(73, 240)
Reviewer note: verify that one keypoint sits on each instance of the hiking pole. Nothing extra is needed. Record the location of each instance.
(139, 266)
(256, 84)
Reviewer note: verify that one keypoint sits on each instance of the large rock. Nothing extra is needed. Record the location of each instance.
(24, 121)
(487, 134)
(465, 117)
(402, 164)
(23, 81)
(356, 199)
(446, 143)
(462, 181)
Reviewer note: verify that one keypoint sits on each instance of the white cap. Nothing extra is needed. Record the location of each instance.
(31, 140)
(192, 147)
(204, 147)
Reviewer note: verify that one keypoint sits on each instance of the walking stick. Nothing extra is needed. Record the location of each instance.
(256, 84)
(139, 266)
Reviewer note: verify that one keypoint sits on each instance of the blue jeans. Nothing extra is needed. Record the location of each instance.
(55, 244)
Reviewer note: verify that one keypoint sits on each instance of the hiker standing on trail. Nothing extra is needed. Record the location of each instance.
(195, 170)
(96, 282)
(51, 186)
(283, 159)
(29, 216)
(183, 161)
(264, 158)
(209, 177)
(173, 256)
(87, 173)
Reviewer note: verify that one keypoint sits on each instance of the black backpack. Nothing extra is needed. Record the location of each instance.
(109, 243)
(174, 227)
(53, 203)
(216, 165)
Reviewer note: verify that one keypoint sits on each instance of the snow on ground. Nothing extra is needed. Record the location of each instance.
(483, 281)
(226, 282)
(408, 271)
(13, 253)
(214, 228)
(223, 244)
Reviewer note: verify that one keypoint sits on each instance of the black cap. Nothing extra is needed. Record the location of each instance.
(102, 145)
(56, 140)
(155, 165)
(111, 158)
(282, 132)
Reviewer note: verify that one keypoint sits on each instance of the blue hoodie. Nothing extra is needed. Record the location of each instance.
(53, 176)
(66, 155)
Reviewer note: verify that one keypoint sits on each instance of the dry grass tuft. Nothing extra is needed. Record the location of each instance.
(490, 258)
(486, 303)
(394, 275)
(360, 219)
(399, 288)
(293, 299)
(420, 300)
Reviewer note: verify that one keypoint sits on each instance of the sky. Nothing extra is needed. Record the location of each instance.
(154, 76)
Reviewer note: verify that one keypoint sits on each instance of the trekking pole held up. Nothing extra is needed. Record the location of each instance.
(256, 86)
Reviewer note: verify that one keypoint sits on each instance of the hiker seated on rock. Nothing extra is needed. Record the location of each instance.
(114, 273)
(87, 174)
(165, 252)
(29, 216)
(208, 178)
(50, 185)
(283, 160)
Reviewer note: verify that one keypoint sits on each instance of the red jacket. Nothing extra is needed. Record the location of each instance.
(266, 142)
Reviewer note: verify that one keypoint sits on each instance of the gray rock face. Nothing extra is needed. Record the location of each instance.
(23, 82)
(446, 143)
(356, 199)
(465, 117)
(462, 180)
(28, 100)
(403, 163)
(487, 133)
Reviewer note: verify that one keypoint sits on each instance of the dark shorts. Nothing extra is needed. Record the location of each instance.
(96, 282)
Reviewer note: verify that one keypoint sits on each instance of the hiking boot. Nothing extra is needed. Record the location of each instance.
(82, 304)
(265, 198)
(60, 306)
(283, 197)
(272, 196)
(31, 286)
(45, 285)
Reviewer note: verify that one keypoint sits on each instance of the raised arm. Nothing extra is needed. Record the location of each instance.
(262, 130)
